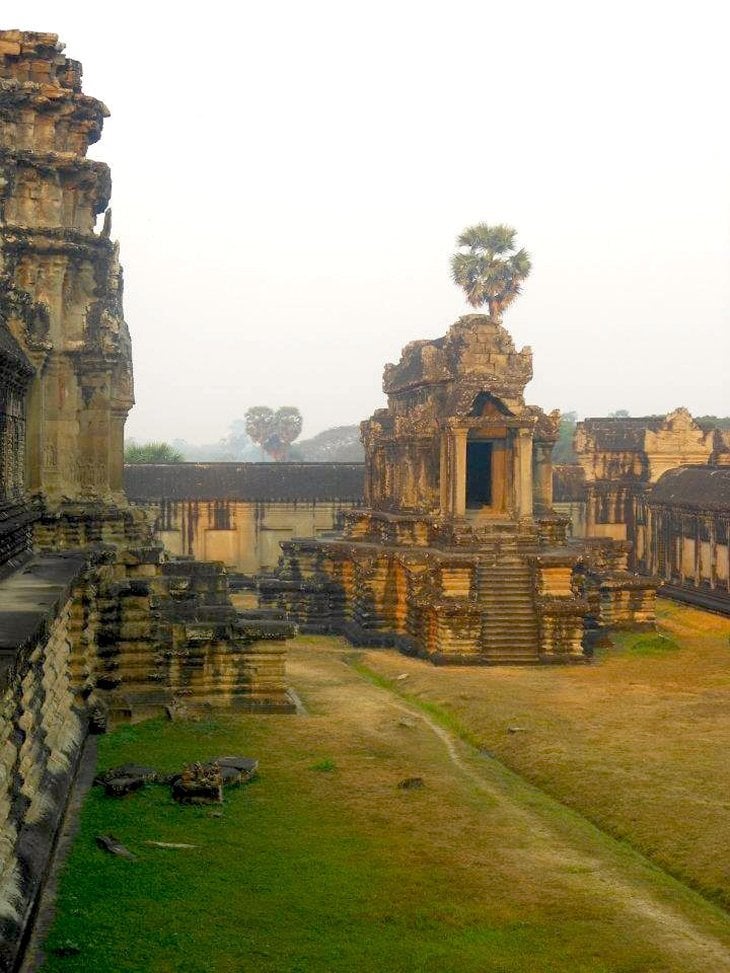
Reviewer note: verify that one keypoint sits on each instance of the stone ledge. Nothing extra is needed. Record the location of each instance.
(30, 600)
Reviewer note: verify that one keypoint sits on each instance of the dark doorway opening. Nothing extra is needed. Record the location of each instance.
(478, 474)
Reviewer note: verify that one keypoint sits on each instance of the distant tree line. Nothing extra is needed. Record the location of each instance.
(269, 435)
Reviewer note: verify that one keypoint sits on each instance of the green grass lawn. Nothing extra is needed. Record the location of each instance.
(324, 864)
(283, 880)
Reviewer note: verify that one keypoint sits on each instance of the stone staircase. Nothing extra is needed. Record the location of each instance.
(510, 634)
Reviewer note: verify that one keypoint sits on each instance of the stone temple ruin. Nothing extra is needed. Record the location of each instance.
(458, 555)
(97, 623)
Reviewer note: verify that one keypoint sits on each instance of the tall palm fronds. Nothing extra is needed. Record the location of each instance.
(488, 266)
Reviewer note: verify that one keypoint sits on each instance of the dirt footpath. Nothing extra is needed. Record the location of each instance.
(508, 837)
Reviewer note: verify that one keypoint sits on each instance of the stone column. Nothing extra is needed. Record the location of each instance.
(444, 473)
(523, 473)
(543, 476)
(698, 551)
(458, 479)
(590, 511)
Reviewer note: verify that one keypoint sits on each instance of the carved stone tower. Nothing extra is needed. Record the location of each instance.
(459, 555)
(60, 279)
(457, 440)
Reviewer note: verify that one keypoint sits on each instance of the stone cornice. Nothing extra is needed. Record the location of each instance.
(54, 161)
(54, 240)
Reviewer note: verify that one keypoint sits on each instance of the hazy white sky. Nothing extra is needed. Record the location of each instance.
(289, 180)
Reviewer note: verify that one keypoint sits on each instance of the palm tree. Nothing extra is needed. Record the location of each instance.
(274, 431)
(488, 266)
(288, 421)
(260, 424)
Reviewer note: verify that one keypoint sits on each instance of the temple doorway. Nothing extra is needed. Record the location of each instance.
(478, 474)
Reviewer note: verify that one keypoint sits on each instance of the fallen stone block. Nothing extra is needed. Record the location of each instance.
(107, 842)
(123, 786)
(148, 774)
(236, 770)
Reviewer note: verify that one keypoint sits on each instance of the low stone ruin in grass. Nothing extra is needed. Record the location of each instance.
(197, 783)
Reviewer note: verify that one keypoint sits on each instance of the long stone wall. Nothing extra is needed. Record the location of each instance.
(245, 536)
(240, 513)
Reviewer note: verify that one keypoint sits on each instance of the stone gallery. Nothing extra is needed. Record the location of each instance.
(662, 483)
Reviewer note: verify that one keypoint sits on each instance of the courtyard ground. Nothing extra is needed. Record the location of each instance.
(639, 741)
(325, 863)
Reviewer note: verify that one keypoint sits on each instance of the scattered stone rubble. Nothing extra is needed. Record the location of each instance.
(197, 783)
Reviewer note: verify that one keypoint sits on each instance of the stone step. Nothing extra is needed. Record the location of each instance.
(502, 564)
(499, 609)
(503, 582)
(524, 648)
(493, 584)
(503, 609)
(508, 632)
(522, 584)
(526, 632)
(498, 659)
(518, 644)
(496, 593)
(510, 601)
(515, 572)
(516, 629)
(509, 629)
(507, 604)
(507, 625)
(488, 582)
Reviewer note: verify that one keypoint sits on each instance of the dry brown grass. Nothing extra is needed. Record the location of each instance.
(638, 741)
